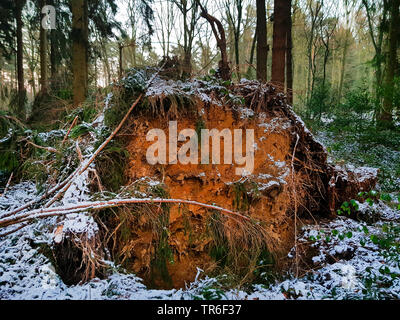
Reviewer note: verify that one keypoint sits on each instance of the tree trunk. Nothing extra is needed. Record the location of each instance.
(343, 67)
(53, 50)
(289, 57)
(262, 44)
(19, 4)
(121, 48)
(187, 63)
(43, 54)
(239, 8)
(79, 49)
(279, 44)
(252, 50)
(53, 54)
(385, 119)
(224, 71)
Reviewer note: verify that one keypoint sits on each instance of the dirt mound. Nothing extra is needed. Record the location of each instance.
(289, 180)
(290, 177)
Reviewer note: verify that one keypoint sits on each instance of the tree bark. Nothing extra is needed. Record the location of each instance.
(385, 119)
(289, 47)
(19, 4)
(224, 71)
(262, 44)
(43, 54)
(343, 66)
(279, 44)
(79, 49)
(53, 49)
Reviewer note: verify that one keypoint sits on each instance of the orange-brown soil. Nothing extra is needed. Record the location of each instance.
(166, 244)
(268, 197)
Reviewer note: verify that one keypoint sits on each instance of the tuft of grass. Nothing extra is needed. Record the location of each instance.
(241, 249)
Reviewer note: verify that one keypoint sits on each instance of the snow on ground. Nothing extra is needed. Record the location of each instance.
(348, 265)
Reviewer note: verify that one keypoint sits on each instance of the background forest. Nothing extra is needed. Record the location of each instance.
(72, 71)
(337, 60)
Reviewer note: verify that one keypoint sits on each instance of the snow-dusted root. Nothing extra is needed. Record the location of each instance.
(347, 182)
(77, 247)
(78, 250)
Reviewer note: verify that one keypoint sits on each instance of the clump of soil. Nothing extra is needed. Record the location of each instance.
(271, 195)
(264, 195)
(167, 244)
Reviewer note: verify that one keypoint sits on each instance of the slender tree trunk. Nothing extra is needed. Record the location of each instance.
(237, 57)
(53, 50)
(224, 71)
(53, 54)
(262, 43)
(187, 62)
(344, 56)
(289, 47)
(121, 48)
(79, 49)
(237, 36)
(43, 55)
(19, 4)
(343, 67)
(279, 44)
(252, 51)
(385, 119)
(325, 63)
(187, 49)
(33, 81)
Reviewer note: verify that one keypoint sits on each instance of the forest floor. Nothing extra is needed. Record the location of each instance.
(348, 258)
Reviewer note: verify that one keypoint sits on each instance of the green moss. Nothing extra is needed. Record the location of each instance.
(245, 193)
(80, 130)
(200, 125)
(163, 253)
(111, 165)
(186, 224)
(9, 132)
(87, 113)
(218, 250)
(241, 198)
(34, 171)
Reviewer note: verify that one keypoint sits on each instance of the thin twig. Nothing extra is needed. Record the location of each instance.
(2, 235)
(69, 130)
(49, 149)
(8, 184)
(295, 208)
(79, 151)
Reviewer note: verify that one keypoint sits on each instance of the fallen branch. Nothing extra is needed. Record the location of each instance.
(44, 196)
(112, 135)
(8, 184)
(49, 149)
(2, 235)
(97, 205)
(69, 130)
(78, 151)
